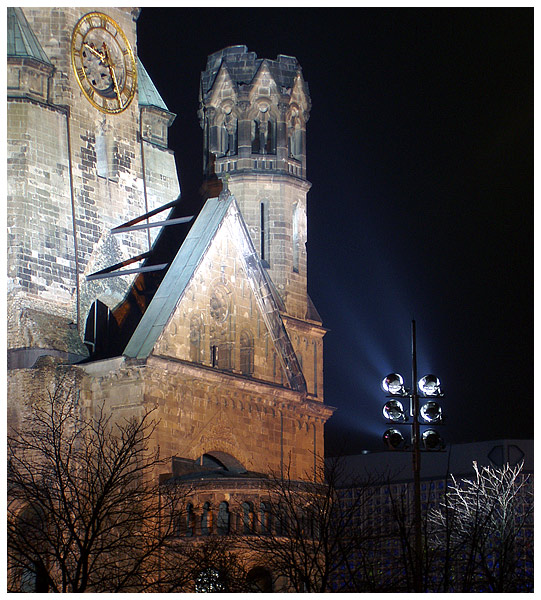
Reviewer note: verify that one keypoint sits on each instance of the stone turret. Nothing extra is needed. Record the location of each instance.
(253, 113)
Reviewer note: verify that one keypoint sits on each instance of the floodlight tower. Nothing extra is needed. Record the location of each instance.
(430, 413)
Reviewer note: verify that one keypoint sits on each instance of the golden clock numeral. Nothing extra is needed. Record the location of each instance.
(81, 73)
(129, 73)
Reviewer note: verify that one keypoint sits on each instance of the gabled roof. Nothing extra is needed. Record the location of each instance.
(21, 41)
(176, 279)
(217, 212)
(148, 94)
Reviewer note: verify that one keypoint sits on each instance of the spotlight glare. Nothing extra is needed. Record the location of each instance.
(394, 384)
(430, 385)
(394, 411)
(431, 412)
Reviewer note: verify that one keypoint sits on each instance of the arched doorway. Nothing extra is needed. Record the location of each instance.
(260, 580)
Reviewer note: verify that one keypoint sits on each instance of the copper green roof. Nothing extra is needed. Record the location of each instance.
(21, 41)
(148, 94)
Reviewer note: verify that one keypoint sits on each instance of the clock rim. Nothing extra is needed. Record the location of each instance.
(130, 53)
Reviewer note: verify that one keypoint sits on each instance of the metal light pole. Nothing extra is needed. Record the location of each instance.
(416, 455)
(430, 413)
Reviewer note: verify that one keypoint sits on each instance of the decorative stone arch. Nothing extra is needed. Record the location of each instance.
(246, 362)
(32, 575)
(226, 120)
(220, 308)
(296, 126)
(264, 117)
(206, 519)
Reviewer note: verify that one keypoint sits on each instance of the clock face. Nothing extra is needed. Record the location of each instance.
(103, 62)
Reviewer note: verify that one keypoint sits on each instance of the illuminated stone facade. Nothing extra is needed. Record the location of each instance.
(228, 348)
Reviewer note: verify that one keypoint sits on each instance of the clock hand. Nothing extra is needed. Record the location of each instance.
(94, 51)
(115, 83)
(111, 68)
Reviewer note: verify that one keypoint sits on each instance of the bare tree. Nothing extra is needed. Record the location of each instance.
(315, 533)
(481, 529)
(85, 512)
(205, 564)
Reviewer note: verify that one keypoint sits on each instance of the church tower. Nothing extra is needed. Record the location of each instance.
(87, 152)
(253, 113)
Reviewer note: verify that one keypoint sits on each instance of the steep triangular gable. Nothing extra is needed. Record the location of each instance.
(218, 214)
(223, 86)
(263, 79)
(298, 93)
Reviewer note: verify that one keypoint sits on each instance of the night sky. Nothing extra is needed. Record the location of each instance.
(420, 155)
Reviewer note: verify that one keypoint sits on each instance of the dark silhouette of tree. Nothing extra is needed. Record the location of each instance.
(85, 510)
(205, 564)
(313, 533)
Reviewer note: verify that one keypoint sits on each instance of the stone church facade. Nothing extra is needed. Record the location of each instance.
(227, 345)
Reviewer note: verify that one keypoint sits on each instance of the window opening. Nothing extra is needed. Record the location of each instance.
(206, 519)
(223, 519)
(246, 353)
(247, 517)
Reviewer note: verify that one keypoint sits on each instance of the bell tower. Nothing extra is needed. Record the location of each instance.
(253, 113)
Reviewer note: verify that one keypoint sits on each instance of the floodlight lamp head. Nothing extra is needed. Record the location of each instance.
(431, 412)
(393, 410)
(393, 439)
(432, 440)
(394, 384)
(429, 385)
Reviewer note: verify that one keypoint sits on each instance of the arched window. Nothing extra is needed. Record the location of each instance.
(247, 517)
(228, 133)
(190, 520)
(265, 518)
(259, 580)
(206, 519)
(246, 353)
(33, 575)
(196, 335)
(264, 132)
(223, 519)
